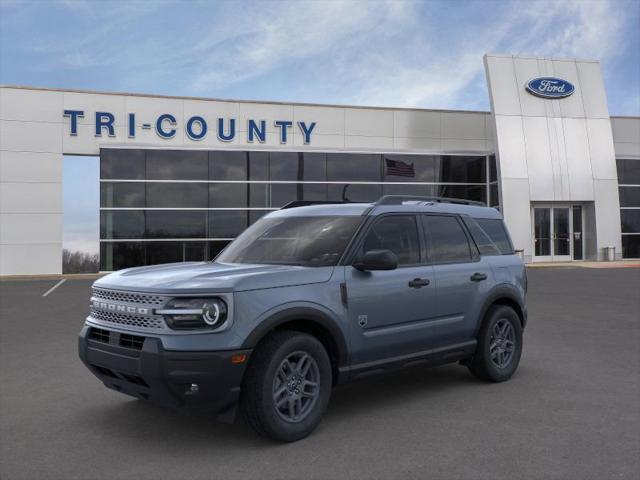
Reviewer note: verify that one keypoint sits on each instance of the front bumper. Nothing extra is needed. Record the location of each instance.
(139, 366)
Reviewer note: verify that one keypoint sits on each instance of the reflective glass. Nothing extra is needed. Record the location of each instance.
(630, 221)
(177, 165)
(467, 192)
(215, 248)
(177, 195)
(629, 196)
(462, 169)
(258, 166)
(398, 233)
(228, 165)
(195, 251)
(118, 195)
(125, 164)
(285, 166)
(353, 192)
(446, 240)
(176, 224)
(227, 195)
(314, 166)
(119, 255)
(164, 252)
(631, 246)
(411, 168)
(542, 231)
(628, 171)
(227, 223)
(121, 224)
(493, 169)
(497, 232)
(354, 167)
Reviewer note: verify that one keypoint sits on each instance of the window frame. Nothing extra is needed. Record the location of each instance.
(474, 254)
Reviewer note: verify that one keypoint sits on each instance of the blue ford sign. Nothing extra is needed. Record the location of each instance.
(550, 87)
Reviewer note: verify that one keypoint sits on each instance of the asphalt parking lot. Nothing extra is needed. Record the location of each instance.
(571, 412)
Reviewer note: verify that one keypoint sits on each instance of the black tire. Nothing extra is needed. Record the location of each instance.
(486, 363)
(260, 384)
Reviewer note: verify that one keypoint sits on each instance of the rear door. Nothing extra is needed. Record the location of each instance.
(390, 311)
(462, 277)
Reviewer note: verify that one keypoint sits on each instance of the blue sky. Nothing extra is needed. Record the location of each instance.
(391, 53)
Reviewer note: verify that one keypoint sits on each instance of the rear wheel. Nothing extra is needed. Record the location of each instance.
(499, 345)
(287, 387)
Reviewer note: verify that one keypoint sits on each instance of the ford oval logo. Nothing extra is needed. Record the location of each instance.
(550, 87)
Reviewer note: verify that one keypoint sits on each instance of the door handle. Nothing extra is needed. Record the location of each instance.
(478, 277)
(419, 282)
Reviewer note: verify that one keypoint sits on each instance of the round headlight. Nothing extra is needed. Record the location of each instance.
(214, 313)
(194, 313)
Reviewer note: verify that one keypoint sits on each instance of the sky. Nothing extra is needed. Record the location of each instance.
(385, 53)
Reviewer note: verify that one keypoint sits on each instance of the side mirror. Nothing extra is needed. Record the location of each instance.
(377, 260)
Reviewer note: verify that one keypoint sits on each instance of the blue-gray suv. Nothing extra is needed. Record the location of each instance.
(310, 296)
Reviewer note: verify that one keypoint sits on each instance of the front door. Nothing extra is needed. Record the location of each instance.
(557, 233)
(390, 311)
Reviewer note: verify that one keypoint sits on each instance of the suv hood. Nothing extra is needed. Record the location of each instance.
(204, 277)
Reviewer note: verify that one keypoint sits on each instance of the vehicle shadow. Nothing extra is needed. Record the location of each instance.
(152, 425)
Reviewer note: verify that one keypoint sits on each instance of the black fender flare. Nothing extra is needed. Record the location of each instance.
(500, 292)
(307, 314)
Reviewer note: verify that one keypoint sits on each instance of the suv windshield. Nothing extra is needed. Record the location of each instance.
(307, 241)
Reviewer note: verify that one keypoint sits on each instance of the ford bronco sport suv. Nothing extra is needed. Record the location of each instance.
(308, 297)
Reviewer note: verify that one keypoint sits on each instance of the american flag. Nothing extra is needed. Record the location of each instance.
(399, 168)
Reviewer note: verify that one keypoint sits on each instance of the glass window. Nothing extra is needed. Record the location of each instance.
(177, 165)
(177, 195)
(314, 191)
(258, 165)
(283, 193)
(495, 196)
(397, 233)
(497, 232)
(630, 246)
(285, 166)
(125, 164)
(447, 242)
(476, 193)
(493, 169)
(413, 190)
(462, 169)
(195, 251)
(176, 224)
(227, 223)
(628, 171)
(215, 248)
(314, 167)
(353, 192)
(308, 241)
(630, 221)
(226, 165)
(118, 255)
(629, 196)
(121, 224)
(484, 243)
(118, 195)
(255, 215)
(410, 168)
(356, 167)
(259, 195)
(227, 195)
(164, 252)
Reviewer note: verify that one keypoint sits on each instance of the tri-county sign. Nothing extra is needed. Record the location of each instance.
(196, 127)
(550, 87)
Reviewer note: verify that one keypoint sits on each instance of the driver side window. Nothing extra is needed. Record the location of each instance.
(398, 233)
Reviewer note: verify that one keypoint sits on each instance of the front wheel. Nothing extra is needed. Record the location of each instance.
(499, 345)
(287, 387)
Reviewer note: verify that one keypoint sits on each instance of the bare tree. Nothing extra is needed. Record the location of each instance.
(79, 262)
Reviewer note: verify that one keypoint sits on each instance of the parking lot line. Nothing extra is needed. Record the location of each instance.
(54, 287)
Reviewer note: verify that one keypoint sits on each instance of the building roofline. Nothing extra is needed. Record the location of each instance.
(230, 100)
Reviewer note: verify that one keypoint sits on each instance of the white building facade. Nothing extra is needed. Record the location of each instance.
(564, 173)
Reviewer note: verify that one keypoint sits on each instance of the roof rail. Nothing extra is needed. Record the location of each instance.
(306, 203)
(398, 199)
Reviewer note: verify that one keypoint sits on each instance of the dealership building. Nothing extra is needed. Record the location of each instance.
(180, 177)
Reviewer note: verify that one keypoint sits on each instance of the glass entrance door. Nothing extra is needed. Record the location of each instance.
(557, 233)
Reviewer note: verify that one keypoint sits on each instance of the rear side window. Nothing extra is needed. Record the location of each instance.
(397, 233)
(484, 243)
(446, 240)
(495, 229)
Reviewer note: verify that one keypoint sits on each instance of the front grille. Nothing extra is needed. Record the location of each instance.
(140, 321)
(129, 297)
(99, 335)
(131, 341)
